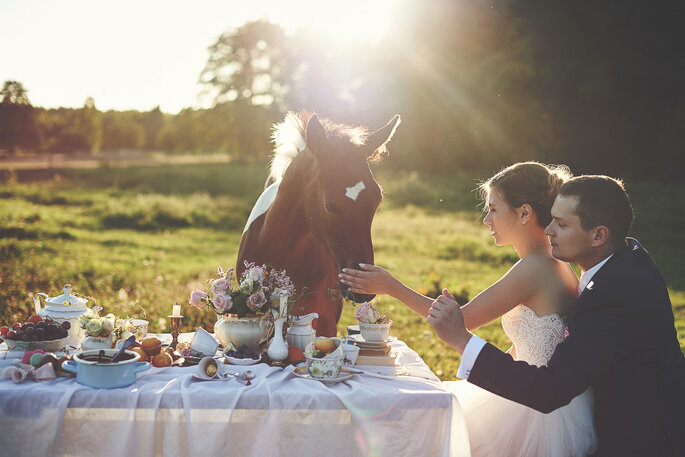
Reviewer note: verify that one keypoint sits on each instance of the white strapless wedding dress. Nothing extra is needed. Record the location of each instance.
(503, 428)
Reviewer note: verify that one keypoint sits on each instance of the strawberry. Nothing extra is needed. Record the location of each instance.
(3, 330)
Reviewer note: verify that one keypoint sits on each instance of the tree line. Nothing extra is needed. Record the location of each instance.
(479, 84)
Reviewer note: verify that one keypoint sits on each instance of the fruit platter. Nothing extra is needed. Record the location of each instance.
(36, 333)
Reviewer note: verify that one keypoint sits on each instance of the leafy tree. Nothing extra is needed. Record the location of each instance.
(17, 118)
(254, 63)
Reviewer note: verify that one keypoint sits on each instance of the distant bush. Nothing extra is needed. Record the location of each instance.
(158, 212)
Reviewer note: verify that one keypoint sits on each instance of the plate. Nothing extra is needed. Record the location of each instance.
(244, 362)
(344, 374)
(357, 339)
(202, 377)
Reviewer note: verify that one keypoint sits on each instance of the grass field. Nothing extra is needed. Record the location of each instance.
(148, 235)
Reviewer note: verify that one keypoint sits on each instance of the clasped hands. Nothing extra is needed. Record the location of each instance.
(448, 321)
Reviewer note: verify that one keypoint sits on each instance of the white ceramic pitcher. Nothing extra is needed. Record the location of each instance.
(301, 332)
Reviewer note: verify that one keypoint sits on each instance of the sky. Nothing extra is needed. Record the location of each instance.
(132, 54)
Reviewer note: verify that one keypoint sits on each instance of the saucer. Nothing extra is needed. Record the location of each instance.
(244, 362)
(303, 372)
(358, 340)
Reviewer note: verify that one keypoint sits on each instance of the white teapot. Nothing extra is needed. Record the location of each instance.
(65, 307)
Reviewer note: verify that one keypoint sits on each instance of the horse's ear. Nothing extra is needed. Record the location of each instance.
(381, 136)
(316, 136)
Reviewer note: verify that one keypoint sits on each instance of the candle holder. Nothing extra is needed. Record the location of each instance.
(175, 326)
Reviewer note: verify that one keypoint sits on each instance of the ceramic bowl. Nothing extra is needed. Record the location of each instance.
(375, 332)
(351, 353)
(324, 368)
(47, 346)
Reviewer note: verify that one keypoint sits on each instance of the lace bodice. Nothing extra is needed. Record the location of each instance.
(534, 337)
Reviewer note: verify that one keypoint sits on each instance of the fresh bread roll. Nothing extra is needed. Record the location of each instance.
(151, 345)
(324, 344)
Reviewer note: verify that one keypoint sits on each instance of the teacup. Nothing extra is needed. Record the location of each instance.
(208, 367)
(328, 366)
(351, 353)
(375, 333)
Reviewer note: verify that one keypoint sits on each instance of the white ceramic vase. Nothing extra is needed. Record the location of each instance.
(250, 331)
(278, 348)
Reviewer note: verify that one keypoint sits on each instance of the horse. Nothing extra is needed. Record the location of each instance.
(314, 217)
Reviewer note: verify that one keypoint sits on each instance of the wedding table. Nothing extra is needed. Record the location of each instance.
(385, 411)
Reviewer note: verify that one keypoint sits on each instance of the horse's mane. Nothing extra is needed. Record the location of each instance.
(289, 139)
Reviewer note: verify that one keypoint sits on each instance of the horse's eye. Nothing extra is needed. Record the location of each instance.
(331, 207)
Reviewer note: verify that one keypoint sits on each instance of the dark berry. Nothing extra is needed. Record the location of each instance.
(66, 325)
(21, 335)
(11, 335)
(16, 326)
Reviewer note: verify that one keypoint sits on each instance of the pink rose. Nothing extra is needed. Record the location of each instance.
(256, 301)
(198, 298)
(566, 332)
(220, 285)
(367, 313)
(222, 303)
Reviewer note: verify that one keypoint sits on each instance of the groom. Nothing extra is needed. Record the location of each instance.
(622, 339)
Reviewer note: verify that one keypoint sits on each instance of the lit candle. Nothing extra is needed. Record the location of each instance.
(177, 311)
(284, 302)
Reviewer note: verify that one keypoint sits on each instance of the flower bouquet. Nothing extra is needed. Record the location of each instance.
(103, 331)
(246, 304)
(259, 290)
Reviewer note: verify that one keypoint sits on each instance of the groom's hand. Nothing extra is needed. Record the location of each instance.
(448, 321)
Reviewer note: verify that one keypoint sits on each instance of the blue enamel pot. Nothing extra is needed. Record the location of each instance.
(97, 371)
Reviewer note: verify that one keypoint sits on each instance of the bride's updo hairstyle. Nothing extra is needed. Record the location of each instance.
(528, 182)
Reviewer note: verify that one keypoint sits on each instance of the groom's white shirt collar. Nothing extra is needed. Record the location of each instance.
(475, 344)
(586, 277)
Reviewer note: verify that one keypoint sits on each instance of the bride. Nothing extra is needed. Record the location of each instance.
(532, 297)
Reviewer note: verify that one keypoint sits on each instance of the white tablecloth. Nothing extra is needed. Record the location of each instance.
(169, 412)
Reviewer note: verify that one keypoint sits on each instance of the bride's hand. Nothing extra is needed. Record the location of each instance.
(369, 280)
(448, 321)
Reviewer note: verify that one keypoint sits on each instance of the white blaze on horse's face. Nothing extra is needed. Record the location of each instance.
(353, 192)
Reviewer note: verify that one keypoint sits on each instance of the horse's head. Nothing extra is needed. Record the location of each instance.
(344, 195)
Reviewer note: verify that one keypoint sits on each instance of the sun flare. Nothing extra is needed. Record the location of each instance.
(353, 20)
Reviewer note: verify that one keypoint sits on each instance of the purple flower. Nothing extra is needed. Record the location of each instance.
(256, 301)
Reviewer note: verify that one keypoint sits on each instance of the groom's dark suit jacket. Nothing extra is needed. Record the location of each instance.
(623, 343)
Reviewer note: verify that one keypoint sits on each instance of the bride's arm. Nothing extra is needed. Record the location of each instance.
(372, 279)
(518, 284)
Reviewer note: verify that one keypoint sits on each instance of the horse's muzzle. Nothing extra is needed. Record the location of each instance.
(355, 297)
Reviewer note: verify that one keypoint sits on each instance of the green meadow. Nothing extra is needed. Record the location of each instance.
(139, 239)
